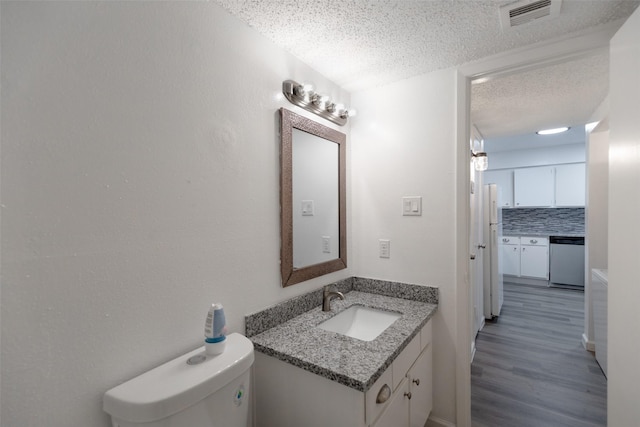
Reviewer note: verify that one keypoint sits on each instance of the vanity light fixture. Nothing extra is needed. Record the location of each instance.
(480, 160)
(304, 95)
(553, 131)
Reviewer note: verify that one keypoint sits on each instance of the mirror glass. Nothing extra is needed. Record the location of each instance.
(312, 195)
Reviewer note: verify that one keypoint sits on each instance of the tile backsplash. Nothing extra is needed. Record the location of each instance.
(543, 220)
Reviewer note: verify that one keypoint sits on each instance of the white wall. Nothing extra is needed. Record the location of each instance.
(624, 233)
(596, 214)
(568, 153)
(407, 147)
(140, 183)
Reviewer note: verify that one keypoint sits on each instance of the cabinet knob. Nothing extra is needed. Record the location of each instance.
(533, 241)
(408, 395)
(383, 394)
(416, 381)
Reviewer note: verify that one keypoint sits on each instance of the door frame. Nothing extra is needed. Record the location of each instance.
(559, 50)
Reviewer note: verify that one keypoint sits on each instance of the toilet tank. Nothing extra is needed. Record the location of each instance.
(195, 390)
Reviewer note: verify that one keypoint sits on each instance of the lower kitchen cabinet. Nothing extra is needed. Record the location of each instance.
(511, 255)
(534, 258)
(526, 257)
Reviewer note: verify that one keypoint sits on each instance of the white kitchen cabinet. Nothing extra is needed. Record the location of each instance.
(504, 179)
(511, 255)
(533, 187)
(288, 396)
(570, 185)
(534, 257)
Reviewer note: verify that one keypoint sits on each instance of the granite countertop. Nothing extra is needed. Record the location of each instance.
(348, 361)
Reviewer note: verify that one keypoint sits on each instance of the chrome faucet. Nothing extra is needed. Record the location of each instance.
(328, 295)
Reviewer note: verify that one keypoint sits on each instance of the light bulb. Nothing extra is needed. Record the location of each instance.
(553, 131)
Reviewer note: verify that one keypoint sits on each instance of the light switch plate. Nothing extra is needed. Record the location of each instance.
(412, 206)
(307, 208)
(385, 248)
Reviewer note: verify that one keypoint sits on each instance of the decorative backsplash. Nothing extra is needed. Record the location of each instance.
(543, 220)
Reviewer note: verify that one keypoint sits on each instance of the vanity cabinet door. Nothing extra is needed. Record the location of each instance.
(420, 386)
(397, 412)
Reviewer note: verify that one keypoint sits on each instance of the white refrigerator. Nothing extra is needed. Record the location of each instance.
(493, 288)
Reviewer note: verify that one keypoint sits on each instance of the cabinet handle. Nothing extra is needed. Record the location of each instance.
(533, 241)
(408, 395)
(416, 381)
(383, 394)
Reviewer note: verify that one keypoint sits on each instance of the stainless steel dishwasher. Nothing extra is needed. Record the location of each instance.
(566, 261)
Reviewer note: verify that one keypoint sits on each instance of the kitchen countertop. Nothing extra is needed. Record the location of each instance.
(348, 361)
(541, 234)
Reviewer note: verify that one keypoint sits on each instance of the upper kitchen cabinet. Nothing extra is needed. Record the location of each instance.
(504, 179)
(570, 185)
(533, 187)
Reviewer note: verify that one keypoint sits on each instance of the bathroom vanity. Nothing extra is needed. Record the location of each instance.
(305, 375)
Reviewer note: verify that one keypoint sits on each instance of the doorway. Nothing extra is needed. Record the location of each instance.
(507, 64)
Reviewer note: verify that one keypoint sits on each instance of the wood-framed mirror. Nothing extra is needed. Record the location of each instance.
(313, 217)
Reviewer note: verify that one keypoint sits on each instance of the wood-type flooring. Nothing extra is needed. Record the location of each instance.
(530, 368)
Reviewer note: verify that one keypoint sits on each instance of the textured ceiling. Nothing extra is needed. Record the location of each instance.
(566, 94)
(361, 44)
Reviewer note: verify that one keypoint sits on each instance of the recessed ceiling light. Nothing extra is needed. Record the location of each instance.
(552, 131)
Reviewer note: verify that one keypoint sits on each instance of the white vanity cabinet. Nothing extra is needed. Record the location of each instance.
(412, 399)
(288, 396)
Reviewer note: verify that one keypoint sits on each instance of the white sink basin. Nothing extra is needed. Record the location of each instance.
(363, 323)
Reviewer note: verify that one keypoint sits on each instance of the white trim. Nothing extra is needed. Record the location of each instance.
(510, 62)
(438, 422)
(588, 344)
(556, 51)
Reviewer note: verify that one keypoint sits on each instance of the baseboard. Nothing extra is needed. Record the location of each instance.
(438, 422)
(589, 345)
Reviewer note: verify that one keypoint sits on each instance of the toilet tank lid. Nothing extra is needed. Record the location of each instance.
(175, 386)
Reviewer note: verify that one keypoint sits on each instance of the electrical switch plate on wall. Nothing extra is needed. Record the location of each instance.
(385, 248)
(412, 206)
(326, 244)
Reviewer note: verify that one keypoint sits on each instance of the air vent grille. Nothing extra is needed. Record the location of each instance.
(524, 11)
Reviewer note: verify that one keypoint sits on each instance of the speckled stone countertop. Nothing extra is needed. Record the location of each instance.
(348, 361)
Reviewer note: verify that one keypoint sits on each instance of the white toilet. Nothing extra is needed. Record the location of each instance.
(194, 390)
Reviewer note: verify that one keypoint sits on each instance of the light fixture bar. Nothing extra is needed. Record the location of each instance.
(304, 96)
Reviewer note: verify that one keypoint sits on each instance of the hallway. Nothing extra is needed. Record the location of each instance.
(530, 369)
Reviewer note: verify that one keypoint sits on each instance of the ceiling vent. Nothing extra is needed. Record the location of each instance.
(524, 11)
